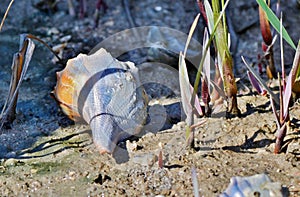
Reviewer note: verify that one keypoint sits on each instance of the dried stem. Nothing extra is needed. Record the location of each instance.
(6, 13)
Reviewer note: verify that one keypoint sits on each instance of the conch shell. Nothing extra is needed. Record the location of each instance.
(106, 94)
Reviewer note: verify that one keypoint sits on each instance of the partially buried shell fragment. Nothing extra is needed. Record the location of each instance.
(256, 185)
(106, 94)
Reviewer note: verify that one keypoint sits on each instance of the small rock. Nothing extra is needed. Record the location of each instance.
(65, 38)
(10, 162)
(2, 169)
(11, 154)
(158, 8)
(52, 31)
(35, 185)
(72, 175)
(147, 159)
(33, 171)
(293, 148)
(131, 146)
(179, 125)
(109, 23)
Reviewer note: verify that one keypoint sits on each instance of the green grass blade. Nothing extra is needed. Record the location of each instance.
(275, 22)
(212, 34)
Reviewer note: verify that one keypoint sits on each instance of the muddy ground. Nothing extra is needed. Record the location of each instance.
(43, 153)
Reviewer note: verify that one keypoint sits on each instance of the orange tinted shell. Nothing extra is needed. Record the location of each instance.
(64, 94)
(71, 80)
(106, 94)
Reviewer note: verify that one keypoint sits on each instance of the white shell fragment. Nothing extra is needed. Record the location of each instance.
(252, 186)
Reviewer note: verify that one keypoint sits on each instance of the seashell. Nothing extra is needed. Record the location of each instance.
(106, 94)
(256, 185)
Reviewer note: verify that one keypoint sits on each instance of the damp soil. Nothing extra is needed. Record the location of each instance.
(43, 153)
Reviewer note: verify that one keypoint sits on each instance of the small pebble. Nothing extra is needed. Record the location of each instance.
(33, 171)
(11, 154)
(131, 146)
(65, 38)
(35, 185)
(145, 159)
(158, 8)
(10, 162)
(53, 31)
(109, 23)
(2, 169)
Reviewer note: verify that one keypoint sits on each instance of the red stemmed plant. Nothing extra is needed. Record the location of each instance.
(190, 102)
(285, 92)
(286, 86)
(267, 44)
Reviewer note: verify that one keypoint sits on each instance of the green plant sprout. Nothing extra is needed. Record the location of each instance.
(267, 44)
(190, 102)
(225, 60)
(286, 86)
(275, 22)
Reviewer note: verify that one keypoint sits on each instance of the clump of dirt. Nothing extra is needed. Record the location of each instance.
(43, 153)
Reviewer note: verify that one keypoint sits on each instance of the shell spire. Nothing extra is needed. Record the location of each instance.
(106, 94)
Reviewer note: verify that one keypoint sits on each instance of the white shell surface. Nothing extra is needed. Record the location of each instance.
(252, 186)
(107, 94)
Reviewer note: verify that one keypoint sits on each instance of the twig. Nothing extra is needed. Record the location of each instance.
(6, 13)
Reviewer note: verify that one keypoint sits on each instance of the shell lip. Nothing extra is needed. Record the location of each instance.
(68, 110)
